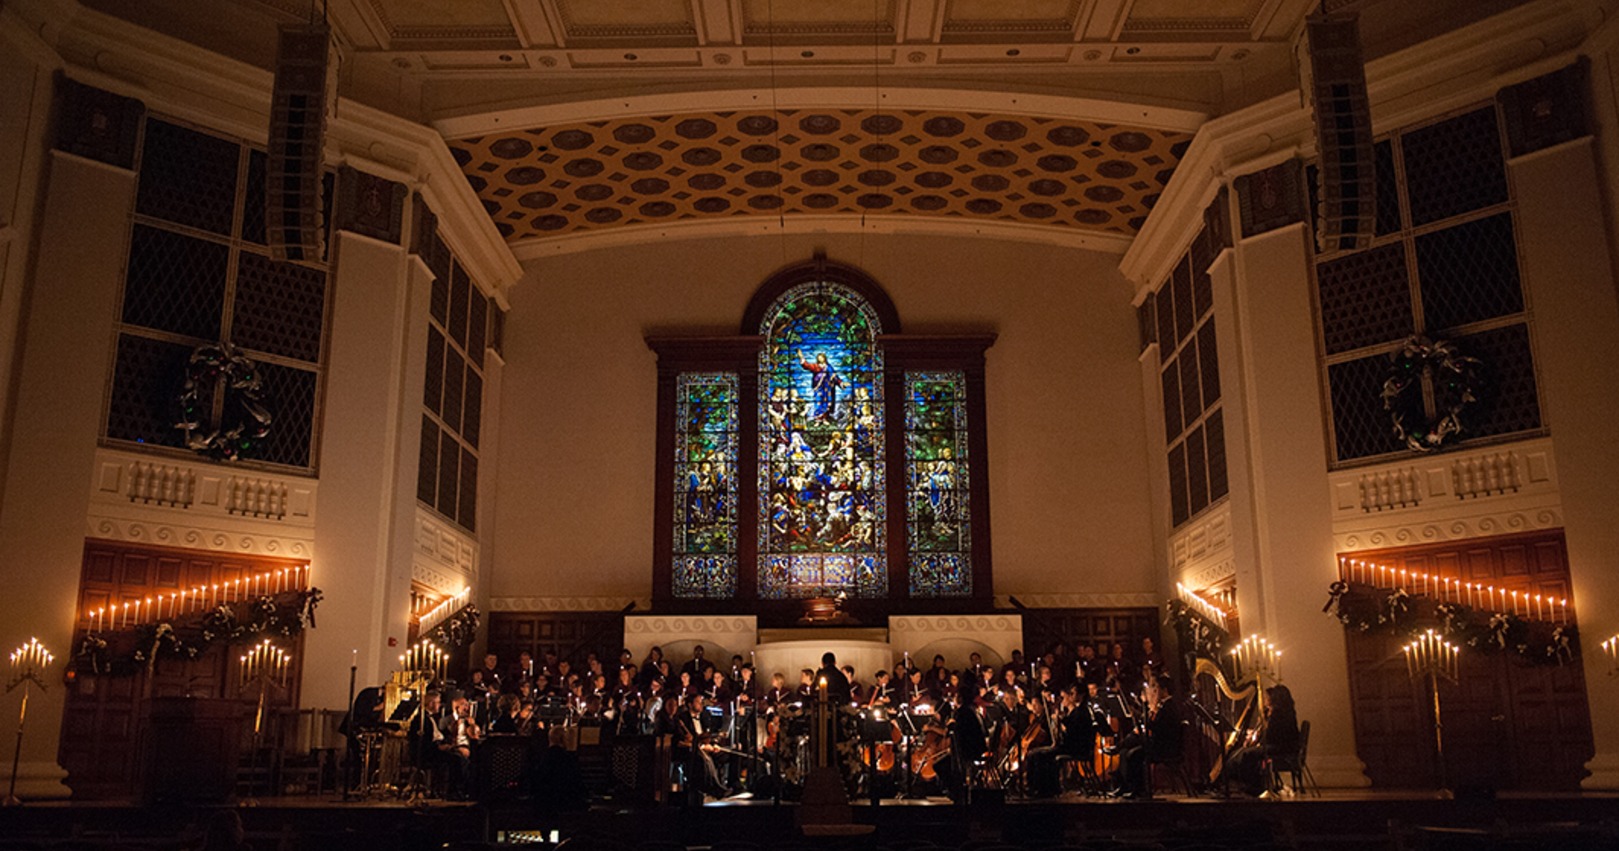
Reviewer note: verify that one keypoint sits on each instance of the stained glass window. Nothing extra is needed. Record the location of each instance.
(936, 470)
(821, 470)
(705, 485)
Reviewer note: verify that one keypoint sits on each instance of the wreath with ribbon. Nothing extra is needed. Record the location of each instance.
(1453, 380)
(244, 419)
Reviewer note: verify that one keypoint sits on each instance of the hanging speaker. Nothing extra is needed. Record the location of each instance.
(1335, 70)
(294, 223)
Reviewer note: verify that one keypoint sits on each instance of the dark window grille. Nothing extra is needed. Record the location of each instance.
(197, 274)
(1445, 264)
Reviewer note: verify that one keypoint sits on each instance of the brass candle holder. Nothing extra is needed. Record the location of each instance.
(1432, 658)
(28, 666)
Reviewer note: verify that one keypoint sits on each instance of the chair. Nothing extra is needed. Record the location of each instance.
(1300, 770)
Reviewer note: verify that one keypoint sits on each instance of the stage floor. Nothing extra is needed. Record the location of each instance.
(1358, 819)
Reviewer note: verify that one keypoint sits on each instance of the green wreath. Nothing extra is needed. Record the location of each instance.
(1422, 366)
(243, 421)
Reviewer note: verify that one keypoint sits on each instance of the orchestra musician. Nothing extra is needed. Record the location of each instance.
(462, 735)
(1075, 738)
(1161, 740)
(971, 743)
(881, 692)
(690, 738)
(1277, 741)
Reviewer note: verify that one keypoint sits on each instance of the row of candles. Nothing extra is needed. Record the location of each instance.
(446, 607)
(267, 661)
(1475, 594)
(31, 656)
(1208, 610)
(425, 656)
(1256, 655)
(199, 598)
(1431, 653)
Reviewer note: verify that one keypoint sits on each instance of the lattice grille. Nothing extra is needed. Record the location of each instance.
(1468, 273)
(438, 260)
(449, 473)
(1454, 166)
(1509, 402)
(280, 307)
(477, 325)
(187, 177)
(1360, 425)
(1165, 308)
(427, 462)
(253, 198)
(1172, 402)
(454, 384)
(460, 291)
(1209, 360)
(1185, 311)
(472, 419)
(433, 384)
(1365, 298)
(467, 508)
(1388, 189)
(175, 282)
(1214, 440)
(146, 379)
(1177, 484)
(1196, 472)
(291, 393)
(1191, 403)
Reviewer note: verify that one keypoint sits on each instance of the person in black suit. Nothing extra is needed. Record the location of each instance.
(1076, 739)
(837, 683)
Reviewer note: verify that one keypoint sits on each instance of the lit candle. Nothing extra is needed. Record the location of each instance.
(1565, 613)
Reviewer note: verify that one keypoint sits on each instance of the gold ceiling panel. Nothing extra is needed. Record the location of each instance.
(818, 16)
(469, 19)
(626, 18)
(996, 16)
(1055, 172)
(1206, 15)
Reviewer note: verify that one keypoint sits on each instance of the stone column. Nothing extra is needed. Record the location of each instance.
(1568, 273)
(64, 369)
(1277, 461)
(365, 525)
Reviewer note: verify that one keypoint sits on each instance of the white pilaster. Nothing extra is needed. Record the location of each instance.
(1569, 278)
(69, 310)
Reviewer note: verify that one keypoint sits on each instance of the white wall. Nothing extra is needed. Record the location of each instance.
(1066, 453)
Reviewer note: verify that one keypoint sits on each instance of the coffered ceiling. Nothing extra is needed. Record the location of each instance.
(1063, 174)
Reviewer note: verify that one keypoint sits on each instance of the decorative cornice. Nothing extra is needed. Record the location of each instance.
(801, 223)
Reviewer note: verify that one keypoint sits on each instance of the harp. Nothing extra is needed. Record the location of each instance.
(1227, 713)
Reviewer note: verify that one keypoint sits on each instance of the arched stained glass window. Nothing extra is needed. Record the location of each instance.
(821, 468)
(938, 510)
(705, 485)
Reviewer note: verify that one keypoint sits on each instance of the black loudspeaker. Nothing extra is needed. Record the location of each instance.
(293, 220)
(1346, 206)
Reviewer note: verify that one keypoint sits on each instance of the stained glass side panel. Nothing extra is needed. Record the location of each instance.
(705, 485)
(938, 513)
(821, 471)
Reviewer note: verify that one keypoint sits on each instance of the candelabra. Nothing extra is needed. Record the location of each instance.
(1610, 649)
(1258, 657)
(264, 667)
(1431, 658)
(28, 664)
(424, 661)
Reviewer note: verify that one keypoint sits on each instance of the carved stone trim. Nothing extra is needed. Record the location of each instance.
(962, 624)
(196, 537)
(130, 480)
(1478, 526)
(446, 559)
(684, 625)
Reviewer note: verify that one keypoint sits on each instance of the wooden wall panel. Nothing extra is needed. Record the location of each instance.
(571, 635)
(1507, 724)
(100, 724)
